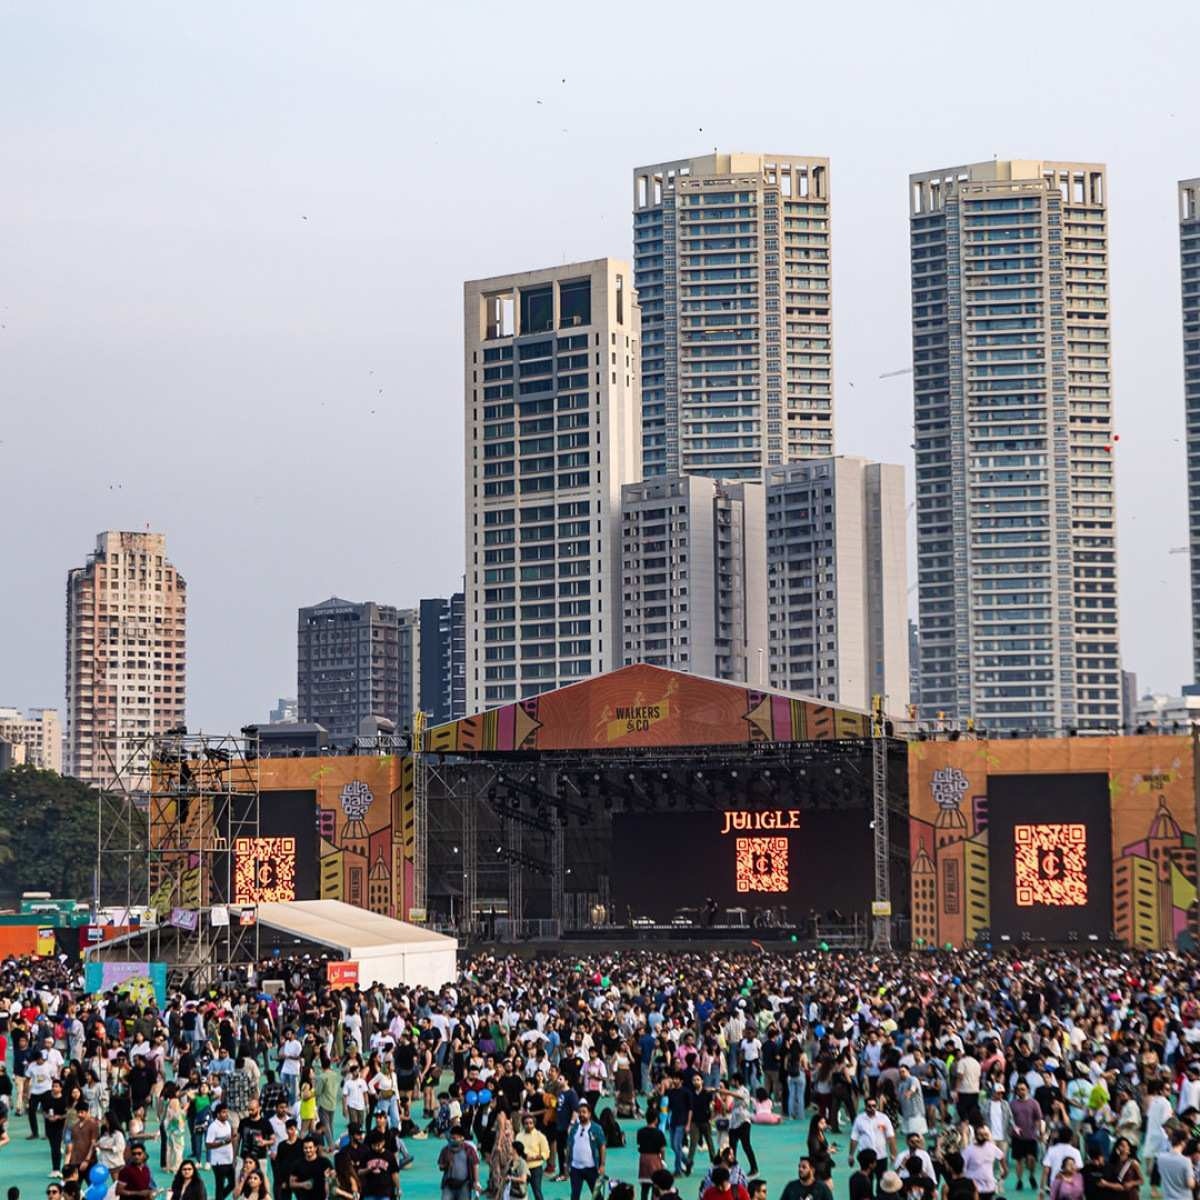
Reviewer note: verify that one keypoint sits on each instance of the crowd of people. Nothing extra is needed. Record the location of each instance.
(1071, 1073)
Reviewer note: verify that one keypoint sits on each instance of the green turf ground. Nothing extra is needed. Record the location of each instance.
(27, 1164)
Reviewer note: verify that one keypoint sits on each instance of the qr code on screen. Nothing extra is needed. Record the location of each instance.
(1050, 865)
(762, 864)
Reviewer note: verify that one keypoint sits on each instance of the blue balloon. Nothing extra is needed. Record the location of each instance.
(485, 1096)
(97, 1191)
(819, 1030)
(472, 1099)
(99, 1174)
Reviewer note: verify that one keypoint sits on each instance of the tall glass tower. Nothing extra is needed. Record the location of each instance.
(1016, 540)
(732, 270)
(1189, 256)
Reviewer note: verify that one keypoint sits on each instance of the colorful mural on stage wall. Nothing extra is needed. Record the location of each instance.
(364, 825)
(1153, 813)
(642, 705)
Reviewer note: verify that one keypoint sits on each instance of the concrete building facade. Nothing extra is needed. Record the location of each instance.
(693, 576)
(1016, 539)
(355, 662)
(39, 731)
(551, 370)
(837, 581)
(126, 657)
(1189, 261)
(732, 269)
(443, 686)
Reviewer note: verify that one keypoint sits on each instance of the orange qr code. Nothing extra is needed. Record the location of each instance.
(1050, 865)
(762, 864)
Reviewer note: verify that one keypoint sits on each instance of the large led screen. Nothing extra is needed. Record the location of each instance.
(1050, 856)
(799, 860)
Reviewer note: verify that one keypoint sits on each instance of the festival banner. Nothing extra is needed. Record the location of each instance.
(142, 981)
(341, 974)
(185, 918)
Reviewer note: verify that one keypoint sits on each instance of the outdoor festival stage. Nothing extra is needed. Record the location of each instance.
(649, 804)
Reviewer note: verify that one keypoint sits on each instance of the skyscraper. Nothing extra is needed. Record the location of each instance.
(1189, 256)
(837, 581)
(443, 685)
(694, 576)
(552, 432)
(732, 269)
(126, 657)
(1016, 543)
(355, 661)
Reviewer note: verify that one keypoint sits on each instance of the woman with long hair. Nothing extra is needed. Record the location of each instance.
(254, 1186)
(187, 1184)
(820, 1150)
(501, 1156)
(174, 1132)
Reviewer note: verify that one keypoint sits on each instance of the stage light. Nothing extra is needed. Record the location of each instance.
(1093, 937)
(178, 731)
(1006, 937)
(454, 848)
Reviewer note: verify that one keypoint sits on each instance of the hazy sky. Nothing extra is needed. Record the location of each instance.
(282, 396)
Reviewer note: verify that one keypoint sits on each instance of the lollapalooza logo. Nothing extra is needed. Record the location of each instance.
(356, 800)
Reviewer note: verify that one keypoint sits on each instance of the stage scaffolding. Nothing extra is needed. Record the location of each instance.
(170, 821)
(505, 829)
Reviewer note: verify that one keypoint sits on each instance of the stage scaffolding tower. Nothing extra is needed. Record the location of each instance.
(881, 910)
(170, 820)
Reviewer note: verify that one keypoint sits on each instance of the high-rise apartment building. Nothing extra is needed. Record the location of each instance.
(732, 270)
(356, 661)
(694, 576)
(444, 658)
(126, 657)
(40, 732)
(1189, 256)
(552, 433)
(1016, 539)
(837, 581)
(410, 666)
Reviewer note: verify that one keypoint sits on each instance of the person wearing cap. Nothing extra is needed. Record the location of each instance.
(218, 1139)
(585, 1151)
(458, 1162)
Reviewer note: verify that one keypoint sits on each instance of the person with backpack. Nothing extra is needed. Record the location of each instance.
(459, 1165)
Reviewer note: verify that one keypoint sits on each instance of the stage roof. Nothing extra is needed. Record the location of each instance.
(355, 931)
(647, 707)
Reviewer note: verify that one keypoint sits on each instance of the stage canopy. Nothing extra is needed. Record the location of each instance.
(387, 951)
(645, 706)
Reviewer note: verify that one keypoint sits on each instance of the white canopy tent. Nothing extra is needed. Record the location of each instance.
(387, 951)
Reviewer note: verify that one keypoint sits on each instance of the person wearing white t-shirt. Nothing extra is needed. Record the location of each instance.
(290, 1052)
(39, 1077)
(979, 1162)
(219, 1140)
(1052, 1161)
(873, 1130)
(354, 1095)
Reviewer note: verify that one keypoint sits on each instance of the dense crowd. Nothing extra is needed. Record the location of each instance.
(1071, 1073)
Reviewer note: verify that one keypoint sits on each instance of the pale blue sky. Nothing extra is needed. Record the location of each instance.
(158, 278)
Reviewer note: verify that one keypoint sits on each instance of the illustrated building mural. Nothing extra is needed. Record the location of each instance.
(1153, 812)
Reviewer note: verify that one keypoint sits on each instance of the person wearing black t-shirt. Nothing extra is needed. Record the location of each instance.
(679, 1113)
(570, 1066)
(862, 1182)
(378, 1172)
(958, 1186)
(255, 1134)
(310, 1177)
(405, 1057)
(651, 1143)
(54, 1106)
(289, 1154)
